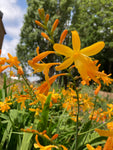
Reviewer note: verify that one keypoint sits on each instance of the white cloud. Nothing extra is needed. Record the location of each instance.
(9, 47)
(12, 19)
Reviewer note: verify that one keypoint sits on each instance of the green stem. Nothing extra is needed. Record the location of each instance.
(28, 85)
(101, 125)
(77, 119)
(94, 107)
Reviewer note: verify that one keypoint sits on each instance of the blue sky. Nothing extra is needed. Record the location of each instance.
(13, 15)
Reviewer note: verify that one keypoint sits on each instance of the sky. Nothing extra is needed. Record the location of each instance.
(13, 17)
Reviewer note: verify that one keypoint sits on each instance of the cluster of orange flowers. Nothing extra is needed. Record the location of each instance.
(44, 135)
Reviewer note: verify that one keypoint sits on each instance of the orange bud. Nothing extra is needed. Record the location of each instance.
(45, 35)
(63, 35)
(39, 23)
(44, 132)
(97, 89)
(46, 18)
(41, 13)
(20, 70)
(54, 136)
(55, 25)
(50, 104)
(37, 50)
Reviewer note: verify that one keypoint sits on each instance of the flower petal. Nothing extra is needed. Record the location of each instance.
(63, 50)
(65, 64)
(93, 49)
(104, 132)
(41, 56)
(75, 41)
(90, 147)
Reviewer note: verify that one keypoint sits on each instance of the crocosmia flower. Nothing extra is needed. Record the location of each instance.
(86, 66)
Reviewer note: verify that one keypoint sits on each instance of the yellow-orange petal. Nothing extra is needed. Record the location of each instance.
(93, 49)
(65, 64)
(2, 68)
(44, 88)
(76, 41)
(38, 145)
(104, 132)
(64, 148)
(63, 50)
(97, 89)
(63, 36)
(41, 56)
(90, 147)
(109, 144)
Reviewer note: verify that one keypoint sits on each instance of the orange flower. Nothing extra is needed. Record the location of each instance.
(44, 88)
(0, 52)
(20, 70)
(42, 67)
(13, 61)
(5, 106)
(21, 99)
(41, 56)
(86, 67)
(38, 145)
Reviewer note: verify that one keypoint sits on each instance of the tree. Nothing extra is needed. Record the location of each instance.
(30, 36)
(94, 23)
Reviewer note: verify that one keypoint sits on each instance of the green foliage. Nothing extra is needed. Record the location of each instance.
(94, 21)
(44, 116)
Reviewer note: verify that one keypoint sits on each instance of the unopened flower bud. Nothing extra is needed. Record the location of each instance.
(39, 24)
(55, 25)
(46, 18)
(41, 13)
(63, 35)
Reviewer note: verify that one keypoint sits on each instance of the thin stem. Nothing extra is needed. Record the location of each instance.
(27, 83)
(94, 107)
(77, 119)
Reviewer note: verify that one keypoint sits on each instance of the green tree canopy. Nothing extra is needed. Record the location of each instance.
(94, 21)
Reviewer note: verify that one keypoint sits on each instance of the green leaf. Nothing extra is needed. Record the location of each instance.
(44, 116)
(5, 85)
(26, 141)
(6, 136)
(81, 138)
